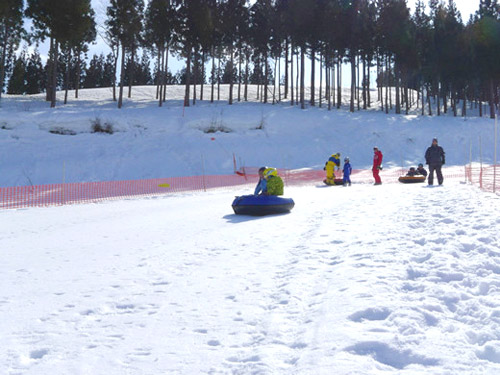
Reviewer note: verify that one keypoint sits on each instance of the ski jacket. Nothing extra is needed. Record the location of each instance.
(335, 159)
(422, 171)
(377, 159)
(434, 155)
(347, 169)
(261, 187)
(275, 185)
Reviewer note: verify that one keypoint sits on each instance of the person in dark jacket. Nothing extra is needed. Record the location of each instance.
(412, 172)
(434, 158)
(421, 170)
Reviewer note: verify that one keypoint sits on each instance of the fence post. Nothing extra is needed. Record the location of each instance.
(203, 169)
(495, 156)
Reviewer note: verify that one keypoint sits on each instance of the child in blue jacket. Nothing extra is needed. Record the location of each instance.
(347, 172)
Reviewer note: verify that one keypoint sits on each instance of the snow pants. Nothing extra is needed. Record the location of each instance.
(376, 175)
(347, 178)
(439, 174)
(330, 172)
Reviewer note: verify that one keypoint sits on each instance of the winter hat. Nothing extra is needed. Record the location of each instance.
(434, 139)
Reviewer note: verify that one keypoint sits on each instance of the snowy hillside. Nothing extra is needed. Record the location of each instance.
(152, 142)
(361, 280)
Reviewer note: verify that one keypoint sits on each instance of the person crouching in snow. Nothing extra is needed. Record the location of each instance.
(377, 165)
(274, 182)
(333, 161)
(261, 187)
(347, 172)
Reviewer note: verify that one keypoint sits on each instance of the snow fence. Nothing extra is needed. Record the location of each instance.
(87, 192)
(487, 177)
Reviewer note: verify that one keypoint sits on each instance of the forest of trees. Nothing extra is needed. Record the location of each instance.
(430, 55)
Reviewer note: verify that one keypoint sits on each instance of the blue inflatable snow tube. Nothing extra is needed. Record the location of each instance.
(260, 205)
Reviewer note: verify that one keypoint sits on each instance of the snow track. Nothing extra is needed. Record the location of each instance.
(392, 279)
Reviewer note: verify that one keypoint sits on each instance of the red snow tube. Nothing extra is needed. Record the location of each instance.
(337, 181)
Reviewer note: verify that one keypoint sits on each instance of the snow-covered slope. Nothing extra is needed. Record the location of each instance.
(153, 142)
(393, 279)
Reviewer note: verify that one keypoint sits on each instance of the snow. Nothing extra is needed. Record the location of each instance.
(390, 279)
(153, 142)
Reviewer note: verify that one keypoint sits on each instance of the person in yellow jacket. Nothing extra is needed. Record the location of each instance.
(274, 182)
(333, 161)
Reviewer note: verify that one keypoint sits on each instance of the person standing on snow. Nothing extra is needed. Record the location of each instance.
(434, 158)
(261, 187)
(377, 165)
(347, 172)
(333, 161)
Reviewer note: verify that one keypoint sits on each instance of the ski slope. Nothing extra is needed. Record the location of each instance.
(391, 279)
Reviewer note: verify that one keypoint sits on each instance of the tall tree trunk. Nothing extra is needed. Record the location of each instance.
(50, 68)
(66, 78)
(122, 76)
(368, 86)
(274, 86)
(423, 99)
(331, 76)
(188, 77)
(266, 74)
(387, 83)
(2, 60)
(247, 73)
(297, 96)
(363, 83)
(218, 79)
(358, 76)
(291, 76)
(302, 78)
(240, 63)
(195, 75)
(115, 66)
(320, 78)
(158, 72)
(161, 75)
(286, 68)
(429, 100)
(464, 107)
(202, 79)
(165, 72)
(313, 73)
(78, 72)
(54, 74)
(213, 77)
(132, 71)
(353, 80)
(398, 99)
(328, 83)
(231, 73)
(339, 82)
(492, 99)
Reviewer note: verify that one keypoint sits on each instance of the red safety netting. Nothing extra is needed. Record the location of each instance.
(71, 193)
(486, 177)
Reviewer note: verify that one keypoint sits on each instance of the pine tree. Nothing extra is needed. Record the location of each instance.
(11, 30)
(124, 23)
(35, 76)
(17, 82)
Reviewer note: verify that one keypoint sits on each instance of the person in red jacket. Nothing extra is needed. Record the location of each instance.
(377, 165)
